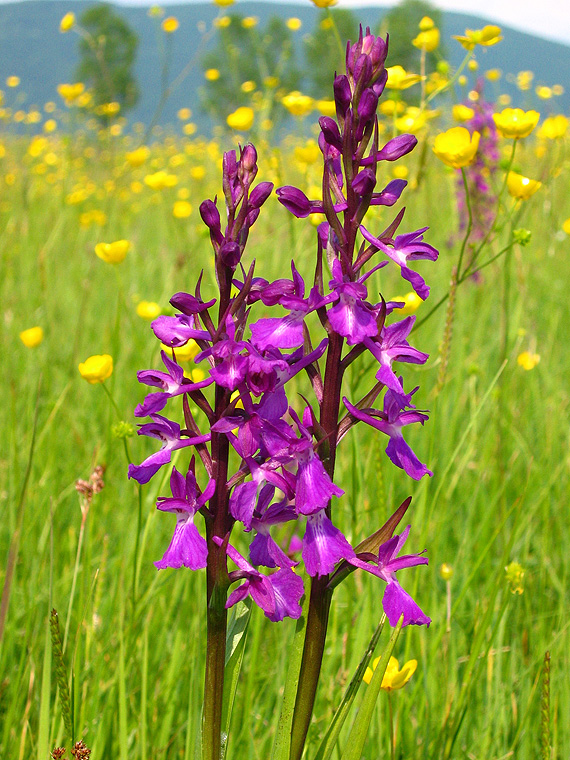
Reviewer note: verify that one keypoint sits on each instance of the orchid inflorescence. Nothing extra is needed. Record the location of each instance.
(287, 456)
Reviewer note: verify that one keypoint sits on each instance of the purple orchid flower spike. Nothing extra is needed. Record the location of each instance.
(277, 594)
(323, 545)
(391, 421)
(396, 602)
(352, 317)
(169, 433)
(231, 366)
(408, 247)
(187, 547)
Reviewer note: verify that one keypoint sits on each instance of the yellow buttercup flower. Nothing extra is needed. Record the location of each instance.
(456, 147)
(426, 24)
(71, 92)
(544, 93)
(182, 209)
(462, 113)
(324, 3)
(394, 678)
(67, 22)
(400, 79)
(113, 253)
(514, 122)
(241, 119)
(566, 226)
(553, 127)
(250, 22)
(298, 104)
(183, 353)
(248, 86)
(184, 114)
(148, 309)
(212, 75)
(170, 24)
(487, 36)
(223, 3)
(97, 368)
(521, 187)
(527, 360)
(428, 40)
(294, 24)
(12, 81)
(32, 337)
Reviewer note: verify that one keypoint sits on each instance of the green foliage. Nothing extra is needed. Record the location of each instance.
(402, 22)
(323, 50)
(108, 53)
(250, 55)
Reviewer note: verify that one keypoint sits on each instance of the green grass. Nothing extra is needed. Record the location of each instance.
(497, 442)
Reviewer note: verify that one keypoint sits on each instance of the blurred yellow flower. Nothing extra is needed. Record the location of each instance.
(389, 107)
(183, 353)
(271, 82)
(487, 36)
(326, 107)
(527, 360)
(50, 125)
(462, 113)
(308, 153)
(324, 3)
(456, 147)
(198, 172)
(241, 119)
(553, 127)
(400, 79)
(190, 128)
(514, 573)
(248, 86)
(12, 81)
(294, 24)
(184, 114)
(514, 122)
(446, 571)
(428, 40)
(566, 226)
(97, 368)
(113, 253)
(148, 310)
(223, 21)
(67, 22)
(211, 75)
(160, 180)
(426, 24)
(400, 172)
(521, 187)
(298, 104)
(170, 24)
(544, 93)
(412, 120)
(557, 89)
(249, 22)
(137, 157)
(412, 302)
(224, 3)
(182, 209)
(473, 65)
(70, 92)
(524, 80)
(493, 75)
(394, 678)
(32, 337)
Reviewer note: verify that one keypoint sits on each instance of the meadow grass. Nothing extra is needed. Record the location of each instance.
(497, 441)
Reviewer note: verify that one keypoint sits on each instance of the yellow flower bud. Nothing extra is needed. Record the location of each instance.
(446, 572)
(67, 22)
(32, 337)
(148, 310)
(113, 253)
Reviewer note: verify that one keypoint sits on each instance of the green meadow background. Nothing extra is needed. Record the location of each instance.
(497, 442)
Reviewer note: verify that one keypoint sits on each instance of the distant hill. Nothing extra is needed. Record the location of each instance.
(33, 48)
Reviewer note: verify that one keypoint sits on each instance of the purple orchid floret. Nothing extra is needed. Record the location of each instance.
(189, 304)
(277, 594)
(352, 317)
(178, 330)
(187, 547)
(172, 383)
(391, 421)
(263, 550)
(323, 545)
(392, 346)
(396, 602)
(407, 247)
(169, 433)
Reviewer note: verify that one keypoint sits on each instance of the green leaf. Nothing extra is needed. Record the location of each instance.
(282, 743)
(359, 730)
(331, 737)
(235, 644)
